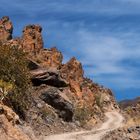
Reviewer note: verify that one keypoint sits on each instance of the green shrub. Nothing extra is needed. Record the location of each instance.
(82, 114)
(14, 71)
(98, 100)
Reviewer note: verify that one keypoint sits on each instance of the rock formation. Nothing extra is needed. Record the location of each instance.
(6, 29)
(32, 39)
(8, 126)
(49, 77)
(72, 70)
(53, 97)
(50, 58)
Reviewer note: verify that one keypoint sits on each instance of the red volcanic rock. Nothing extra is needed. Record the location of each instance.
(72, 70)
(49, 58)
(6, 29)
(32, 39)
(14, 42)
(9, 130)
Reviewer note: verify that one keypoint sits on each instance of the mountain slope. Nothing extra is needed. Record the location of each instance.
(61, 97)
(131, 110)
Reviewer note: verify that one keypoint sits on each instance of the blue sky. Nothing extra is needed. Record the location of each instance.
(103, 34)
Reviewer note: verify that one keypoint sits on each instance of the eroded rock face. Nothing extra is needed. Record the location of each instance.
(8, 129)
(50, 58)
(47, 76)
(32, 39)
(53, 97)
(72, 70)
(6, 29)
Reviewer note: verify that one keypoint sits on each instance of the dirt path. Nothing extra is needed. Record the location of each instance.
(114, 121)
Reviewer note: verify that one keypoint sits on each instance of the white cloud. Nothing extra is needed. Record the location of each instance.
(103, 52)
(102, 55)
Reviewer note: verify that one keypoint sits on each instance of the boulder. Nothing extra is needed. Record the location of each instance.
(48, 77)
(8, 128)
(53, 97)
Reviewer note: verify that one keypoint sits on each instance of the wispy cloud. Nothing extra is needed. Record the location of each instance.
(105, 56)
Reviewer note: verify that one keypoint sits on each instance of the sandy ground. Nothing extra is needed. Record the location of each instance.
(114, 121)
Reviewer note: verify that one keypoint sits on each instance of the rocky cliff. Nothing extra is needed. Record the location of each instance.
(62, 99)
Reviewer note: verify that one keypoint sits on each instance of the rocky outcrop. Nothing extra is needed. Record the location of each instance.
(54, 97)
(9, 114)
(6, 29)
(90, 99)
(15, 42)
(32, 39)
(72, 70)
(8, 128)
(49, 58)
(47, 76)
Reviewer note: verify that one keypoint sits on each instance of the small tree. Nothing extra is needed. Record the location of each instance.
(14, 75)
